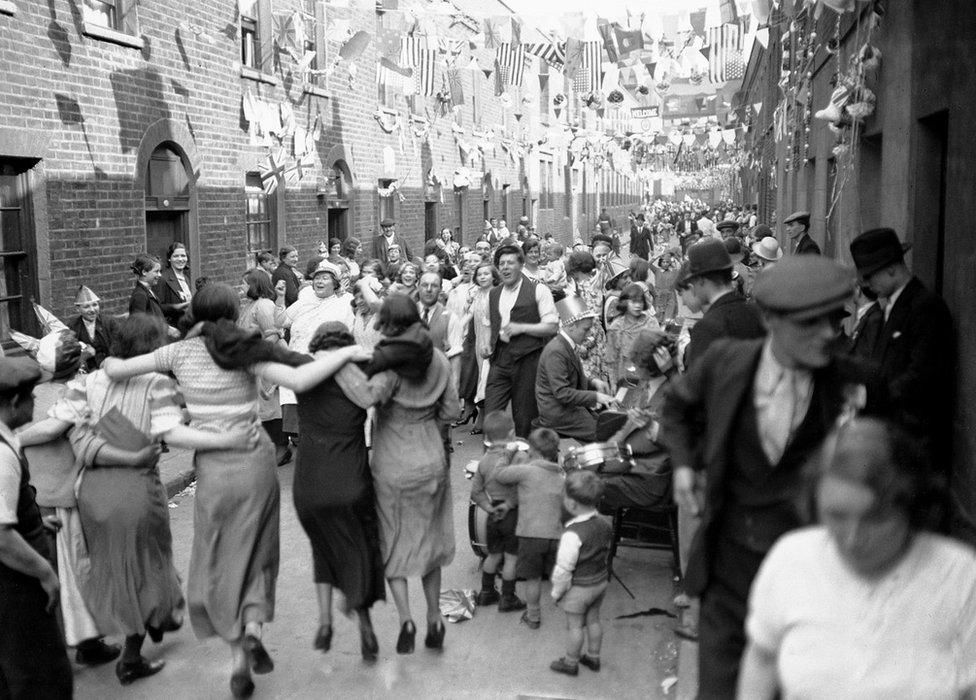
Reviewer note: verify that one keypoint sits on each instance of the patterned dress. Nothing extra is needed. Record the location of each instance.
(592, 350)
(234, 560)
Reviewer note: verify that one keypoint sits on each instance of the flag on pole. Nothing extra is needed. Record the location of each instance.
(724, 41)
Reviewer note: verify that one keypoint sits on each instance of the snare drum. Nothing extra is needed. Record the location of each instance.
(601, 457)
(478, 529)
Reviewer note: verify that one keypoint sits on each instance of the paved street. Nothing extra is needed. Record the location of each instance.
(489, 656)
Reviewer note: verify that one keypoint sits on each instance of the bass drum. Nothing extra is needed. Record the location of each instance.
(478, 530)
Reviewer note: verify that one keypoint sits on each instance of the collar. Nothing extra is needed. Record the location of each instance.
(568, 339)
(582, 517)
(517, 287)
(894, 297)
(770, 369)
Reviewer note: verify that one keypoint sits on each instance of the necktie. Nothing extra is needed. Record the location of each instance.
(427, 316)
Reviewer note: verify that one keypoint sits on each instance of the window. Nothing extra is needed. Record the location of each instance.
(250, 41)
(101, 13)
(315, 40)
(112, 20)
(543, 92)
(476, 82)
(545, 184)
(259, 216)
(387, 209)
(16, 249)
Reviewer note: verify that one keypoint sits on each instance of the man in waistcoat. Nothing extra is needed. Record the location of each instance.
(748, 415)
(33, 659)
(523, 317)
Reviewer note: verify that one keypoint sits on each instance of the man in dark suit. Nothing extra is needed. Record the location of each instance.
(798, 229)
(523, 317)
(748, 415)
(388, 238)
(562, 390)
(432, 311)
(93, 330)
(729, 315)
(915, 348)
(640, 237)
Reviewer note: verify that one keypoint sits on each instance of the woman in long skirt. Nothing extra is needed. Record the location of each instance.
(333, 493)
(234, 560)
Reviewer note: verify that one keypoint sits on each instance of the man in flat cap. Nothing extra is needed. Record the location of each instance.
(523, 317)
(562, 390)
(915, 348)
(387, 238)
(748, 415)
(798, 229)
(33, 658)
(727, 228)
(729, 315)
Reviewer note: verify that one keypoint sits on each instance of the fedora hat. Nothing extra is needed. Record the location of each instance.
(768, 249)
(708, 255)
(572, 309)
(876, 249)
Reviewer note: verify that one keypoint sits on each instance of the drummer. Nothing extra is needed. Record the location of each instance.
(562, 390)
(648, 483)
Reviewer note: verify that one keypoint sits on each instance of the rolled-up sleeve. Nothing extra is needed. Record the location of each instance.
(547, 307)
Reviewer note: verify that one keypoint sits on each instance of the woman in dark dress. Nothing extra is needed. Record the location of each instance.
(333, 493)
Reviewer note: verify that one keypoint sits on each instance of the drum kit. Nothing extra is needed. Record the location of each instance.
(605, 458)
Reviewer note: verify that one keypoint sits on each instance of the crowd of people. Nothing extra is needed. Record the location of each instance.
(728, 367)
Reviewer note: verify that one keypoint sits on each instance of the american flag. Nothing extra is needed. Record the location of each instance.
(588, 75)
(415, 54)
(511, 57)
(392, 76)
(725, 42)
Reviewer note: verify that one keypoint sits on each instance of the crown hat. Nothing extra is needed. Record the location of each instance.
(85, 296)
(572, 309)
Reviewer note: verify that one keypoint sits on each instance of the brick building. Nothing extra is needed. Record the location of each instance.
(126, 125)
(909, 165)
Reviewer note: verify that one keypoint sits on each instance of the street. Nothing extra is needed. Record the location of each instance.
(492, 655)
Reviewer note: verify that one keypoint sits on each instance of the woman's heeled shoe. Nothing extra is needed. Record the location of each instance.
(128, 672)
(465, 418)
(405, 642)
(368, 644)
(257, 656)
(241, 685)
(435, 636)
(323, 638)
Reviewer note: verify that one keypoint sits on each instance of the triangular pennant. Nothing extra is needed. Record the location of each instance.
(757, 107)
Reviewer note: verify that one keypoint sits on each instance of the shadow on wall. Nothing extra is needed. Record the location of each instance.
(143, 87)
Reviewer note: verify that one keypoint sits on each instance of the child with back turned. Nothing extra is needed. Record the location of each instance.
(579, 580)
(500, 501)
(540, 489)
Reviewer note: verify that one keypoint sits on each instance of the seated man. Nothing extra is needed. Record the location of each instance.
(92, 328)
(648, 484)
(561, 387)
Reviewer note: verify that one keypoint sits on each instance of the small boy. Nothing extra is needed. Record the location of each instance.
(540, 497)
(581, 574)
(500, 501)
(556, 268)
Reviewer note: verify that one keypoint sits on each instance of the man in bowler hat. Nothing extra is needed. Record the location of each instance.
(748, 415)
(798, 229)
(915, 348)
(729, 315)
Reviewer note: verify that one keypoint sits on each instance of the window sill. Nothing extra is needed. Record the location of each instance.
(258, 76)
(390, 111)
(317, 91)
(95, 31)
(7, 7)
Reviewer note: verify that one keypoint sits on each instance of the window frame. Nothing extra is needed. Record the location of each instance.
(123, 27)
(386, 206)
(23, 255)
(254, 191)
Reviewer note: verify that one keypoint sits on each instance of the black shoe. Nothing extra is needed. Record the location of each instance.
(435, 636)
(561, 665)
(127, 672)
(466, 418)
(368, 644)
(241, 685)
(169, 625)
(323, 638)
(257, 656)
(285, 457)
(94, 652)
(531, 624)
(590, 662)
(405, 641)
(488, 596)
(510, 603)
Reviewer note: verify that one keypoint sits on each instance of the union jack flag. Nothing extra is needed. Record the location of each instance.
(272, 169)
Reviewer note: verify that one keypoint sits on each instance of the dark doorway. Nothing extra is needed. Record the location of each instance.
(930, 199)
(337, 223)
(163, 228)
(430, 220)
(18, 274)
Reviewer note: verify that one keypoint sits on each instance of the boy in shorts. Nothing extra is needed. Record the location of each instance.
(540, 496)
(580, 578)
(500, 501)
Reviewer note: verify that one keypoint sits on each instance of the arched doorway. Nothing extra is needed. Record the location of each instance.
(338, 200)
(167, 187)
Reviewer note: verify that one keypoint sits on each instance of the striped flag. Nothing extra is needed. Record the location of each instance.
(511, 58)
(416, 55)
(549, 52)
(588, 75)
(724, 41)
(392, 76)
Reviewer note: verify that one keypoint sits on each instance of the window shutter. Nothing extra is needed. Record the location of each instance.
(128, 20)
(265, 40)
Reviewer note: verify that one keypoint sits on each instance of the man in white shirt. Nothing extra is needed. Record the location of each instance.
(523, 317)
(767, 405)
